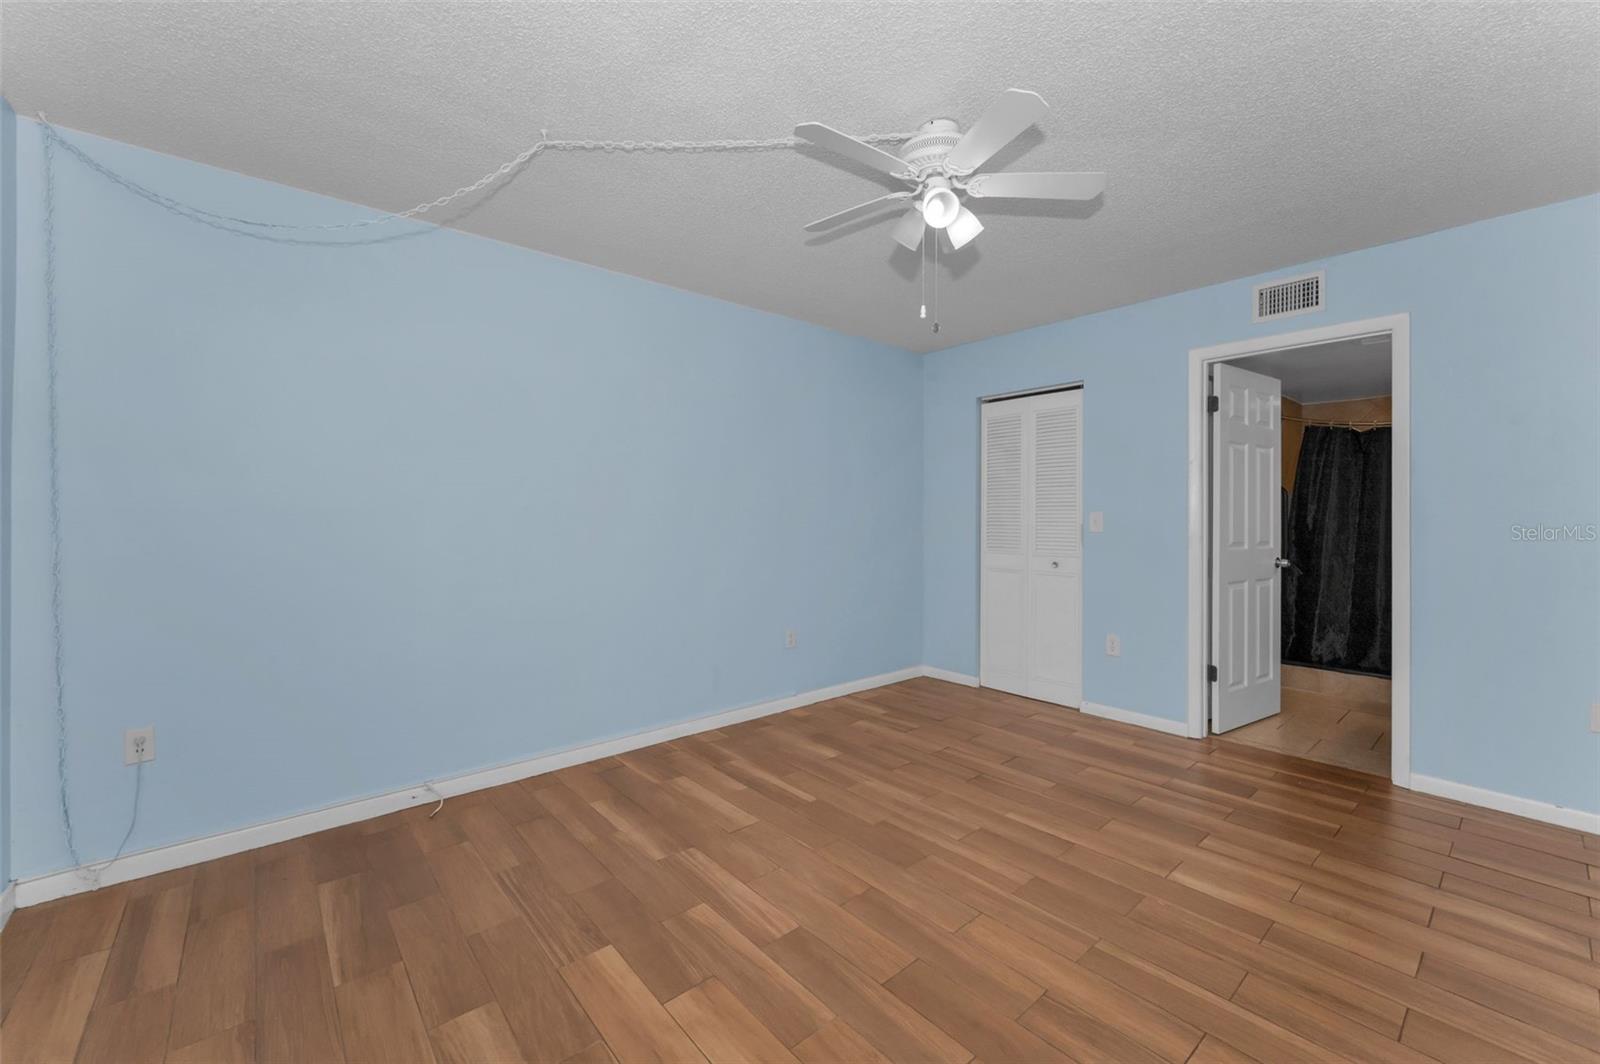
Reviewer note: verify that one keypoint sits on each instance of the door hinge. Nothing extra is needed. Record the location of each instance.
(1213, 404)
(1211, 674)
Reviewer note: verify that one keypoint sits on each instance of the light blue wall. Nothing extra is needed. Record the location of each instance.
(338, 521)
(1505, 362)
(8, 328)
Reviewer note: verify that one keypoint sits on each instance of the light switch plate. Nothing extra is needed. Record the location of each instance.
(1594, 717)
(1097, 521)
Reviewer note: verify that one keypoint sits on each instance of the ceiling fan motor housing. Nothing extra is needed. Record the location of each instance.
(926, 151)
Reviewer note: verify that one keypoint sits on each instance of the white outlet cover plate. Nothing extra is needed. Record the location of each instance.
(130, 753)
(1113, 646)
(1097, 521)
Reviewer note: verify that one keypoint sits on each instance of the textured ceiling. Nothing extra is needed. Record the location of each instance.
(1238, 138)
(1327, 373)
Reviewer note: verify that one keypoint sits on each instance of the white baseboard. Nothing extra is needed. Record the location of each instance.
(1179, 728)
(950, 677)
(223, 844)
(1094, 709)
(1576, 819)
(8, 903)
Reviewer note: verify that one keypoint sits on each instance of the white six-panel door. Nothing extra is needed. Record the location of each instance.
(1246, 534)
(1031, 524)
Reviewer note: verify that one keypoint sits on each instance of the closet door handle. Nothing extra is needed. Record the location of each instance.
(1283, 563)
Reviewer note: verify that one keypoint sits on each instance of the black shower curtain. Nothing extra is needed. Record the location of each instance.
(1336, 608)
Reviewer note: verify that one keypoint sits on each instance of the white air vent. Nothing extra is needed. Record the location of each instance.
(1282, 299)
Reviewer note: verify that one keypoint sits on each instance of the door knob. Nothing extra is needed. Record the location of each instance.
(1055, 565)
(1282, 563)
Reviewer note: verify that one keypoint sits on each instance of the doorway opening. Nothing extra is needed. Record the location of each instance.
(1300, 545)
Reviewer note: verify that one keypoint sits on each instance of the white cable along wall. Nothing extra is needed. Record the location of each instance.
(328, 234)
(263, 229)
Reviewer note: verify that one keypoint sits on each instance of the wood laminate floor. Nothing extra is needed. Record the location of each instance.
(921, 872)
(1337, 718)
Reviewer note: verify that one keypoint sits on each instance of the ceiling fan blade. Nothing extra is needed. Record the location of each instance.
(851, 148)
(963, 230)
(1012, 112)
(856, 211)
(1056, 186)
(908, 230)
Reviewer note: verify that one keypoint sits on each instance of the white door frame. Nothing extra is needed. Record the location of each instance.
(1398, 326)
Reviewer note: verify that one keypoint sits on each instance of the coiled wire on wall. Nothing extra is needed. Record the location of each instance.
(278, 233)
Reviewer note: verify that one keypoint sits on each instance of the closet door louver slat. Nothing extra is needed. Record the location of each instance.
(1056, 499)
(1002, 512)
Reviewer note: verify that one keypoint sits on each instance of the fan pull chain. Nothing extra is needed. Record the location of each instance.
(936, 280)
(922, 275)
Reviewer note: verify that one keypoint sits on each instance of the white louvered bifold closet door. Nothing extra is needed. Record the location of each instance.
(1003, 648)
(1032, 522)
(1055, 555)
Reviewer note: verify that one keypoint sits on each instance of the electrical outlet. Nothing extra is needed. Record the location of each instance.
(138, 744)
(1113, 646)
(790, 640)
(1097, 521)
(1594, 717)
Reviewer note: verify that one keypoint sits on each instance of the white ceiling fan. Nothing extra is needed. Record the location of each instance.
(938, 163)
